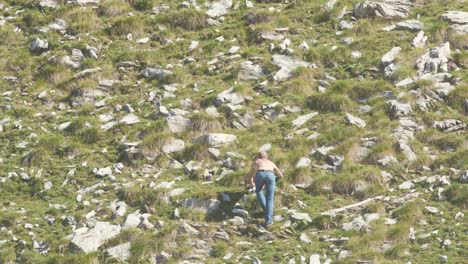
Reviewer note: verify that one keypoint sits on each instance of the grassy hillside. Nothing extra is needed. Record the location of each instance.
(103, 103)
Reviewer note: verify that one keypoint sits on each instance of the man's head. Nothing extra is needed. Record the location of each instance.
(262, 155)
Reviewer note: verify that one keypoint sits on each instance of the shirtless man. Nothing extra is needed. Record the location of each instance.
(264, 170)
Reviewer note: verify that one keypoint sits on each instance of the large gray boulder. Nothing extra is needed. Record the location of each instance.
(218, 8)
(410, 25)
(449, 125)
(216, 139)
(178, 123)
(355, 121)
(250, 71)
(287, 65)
(458, 20)
(301, 120)
(389, 57)
(389, 9)
(85, 2)
(89, 240)
(229, 96)
(174, 145)
(435, 60)
(398, 109)
(39, 45)
(121, 252)
(205, 206)
(48, 3)
(154, 73)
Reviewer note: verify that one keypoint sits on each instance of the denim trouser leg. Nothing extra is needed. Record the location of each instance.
(266, 178)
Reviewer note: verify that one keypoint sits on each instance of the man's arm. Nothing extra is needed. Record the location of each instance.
(278, 173)
(250, 176)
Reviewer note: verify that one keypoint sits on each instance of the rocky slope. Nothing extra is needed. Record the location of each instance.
(127, 126)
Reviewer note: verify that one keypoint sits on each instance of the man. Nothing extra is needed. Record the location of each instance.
(264, 170)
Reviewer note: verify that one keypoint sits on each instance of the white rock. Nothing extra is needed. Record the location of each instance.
(389, 57)
(355, 121)
(84, 2)
(121, 251)
(64, 126)
(356, 54)
(208, 206)
(301, 120)
(229, 96)
(250, 71)
(88, 240)
(130, 119)
(404, 82)
(458, 19)
(193, 45)
(287, 65)
(406, 185)
(173, 146)
(155, 73)
(47, 185)
(39, 45)
(420, 40)
(143, 40)
(410, 25)
(178, 123)
(48, 3)
(389, 9)
(314, 259)
(103, 172)
(303, 163)
(218, 8)
(304, 238)
(216, 139)
(432, 210)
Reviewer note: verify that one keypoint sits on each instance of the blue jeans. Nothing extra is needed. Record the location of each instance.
(266, 178)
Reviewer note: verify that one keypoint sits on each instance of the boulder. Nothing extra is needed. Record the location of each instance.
(186, 228)
(434, 60)
(87, 72)
(301, 120)
(449, 125)
(287, 65)
(456, 17)
(355, 120)
(458, 20)
(153, 73)
(463, 177)
(420, 40)
(178, 123)
(303, 163)
(229, 96)
(48, 3)
(272, 36)
(398, 109)
(410, 25)
(174, 145)
(89, 240)
(216, 139)
(206, 206)
(103, 172)
(85, 2)
(130, 119)
(389, 57)
(250, 71)
(218, 8)
(121, 251)
(39, 45)
(388, 9)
